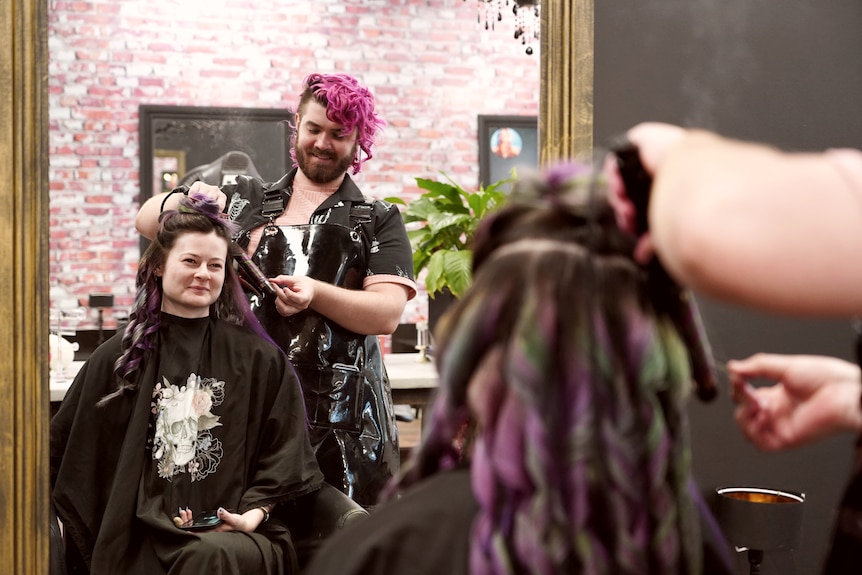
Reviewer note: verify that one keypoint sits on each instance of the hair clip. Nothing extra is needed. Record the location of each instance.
(184, 190)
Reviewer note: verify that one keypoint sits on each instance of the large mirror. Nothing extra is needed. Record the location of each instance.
(458, 82)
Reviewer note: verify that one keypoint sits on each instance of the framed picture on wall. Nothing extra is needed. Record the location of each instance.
(507, 143)
(168, 167)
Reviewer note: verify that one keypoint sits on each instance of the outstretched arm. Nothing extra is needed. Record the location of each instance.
(147, 219)
(755, 225)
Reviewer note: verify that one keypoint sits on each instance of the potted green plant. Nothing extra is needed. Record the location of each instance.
(442, 245)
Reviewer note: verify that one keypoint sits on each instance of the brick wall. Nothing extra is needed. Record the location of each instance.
(432, 68)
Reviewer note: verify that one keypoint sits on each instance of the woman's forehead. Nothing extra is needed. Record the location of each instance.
(199, 242)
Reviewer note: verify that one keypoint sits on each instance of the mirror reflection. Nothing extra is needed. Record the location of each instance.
(432, 67)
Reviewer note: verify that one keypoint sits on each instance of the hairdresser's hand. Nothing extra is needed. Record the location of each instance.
(813, 397)
(213, 192)
(295, 293)
(652, 140)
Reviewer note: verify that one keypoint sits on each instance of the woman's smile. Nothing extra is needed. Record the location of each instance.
(193, 274)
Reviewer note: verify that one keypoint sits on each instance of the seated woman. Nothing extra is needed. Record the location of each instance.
(191, 409)
(558, 441)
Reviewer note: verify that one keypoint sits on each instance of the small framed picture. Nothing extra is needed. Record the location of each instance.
(168, 167)
(506, 143)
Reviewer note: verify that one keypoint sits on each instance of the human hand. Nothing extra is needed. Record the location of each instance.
(184, 518)
(294, 293)
(209, 191)
(813, 397)
(248, 521)
(624, 209)
(651, 140)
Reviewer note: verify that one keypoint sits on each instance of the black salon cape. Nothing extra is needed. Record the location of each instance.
(424, 532)
(101, 460)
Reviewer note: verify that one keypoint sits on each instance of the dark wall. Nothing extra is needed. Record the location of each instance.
(789, 74)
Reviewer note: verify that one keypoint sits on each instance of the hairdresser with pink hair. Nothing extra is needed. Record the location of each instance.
(342, 268)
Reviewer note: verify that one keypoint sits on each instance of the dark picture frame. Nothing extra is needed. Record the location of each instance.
(506, 143)
(183, 138)
(198, 135)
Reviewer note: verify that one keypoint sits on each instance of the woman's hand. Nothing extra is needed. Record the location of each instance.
(248, 521)
(185, 518)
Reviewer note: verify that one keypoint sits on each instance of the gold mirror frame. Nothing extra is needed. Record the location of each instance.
(566, 101)
(24, 404)
(565, 130)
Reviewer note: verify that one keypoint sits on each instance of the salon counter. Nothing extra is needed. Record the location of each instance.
(59, 383)
(413, 381)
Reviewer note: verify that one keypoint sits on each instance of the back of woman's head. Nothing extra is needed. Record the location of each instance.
(576, 387)
(194, 214)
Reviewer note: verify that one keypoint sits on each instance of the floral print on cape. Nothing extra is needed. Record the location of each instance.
(182, 441)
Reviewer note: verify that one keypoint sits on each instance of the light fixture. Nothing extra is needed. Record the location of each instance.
(526, 14)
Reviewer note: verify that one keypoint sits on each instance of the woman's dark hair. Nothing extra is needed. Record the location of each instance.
(194, 214)
(577, 389)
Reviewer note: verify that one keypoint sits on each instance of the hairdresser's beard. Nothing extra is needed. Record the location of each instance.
(322, 167)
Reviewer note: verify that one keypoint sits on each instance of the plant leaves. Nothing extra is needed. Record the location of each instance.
(450, 268)
(451, 214)
(395, 200)
(457, 269)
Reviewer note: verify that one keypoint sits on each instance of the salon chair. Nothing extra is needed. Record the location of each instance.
(311, 518)
(222, 170)
(328, 509)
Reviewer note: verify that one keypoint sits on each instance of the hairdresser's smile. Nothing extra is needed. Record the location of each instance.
(324, 151)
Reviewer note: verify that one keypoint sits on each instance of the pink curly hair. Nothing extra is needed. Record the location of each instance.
(348, 103)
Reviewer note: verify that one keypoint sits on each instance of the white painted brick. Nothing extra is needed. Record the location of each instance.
(274, 63)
